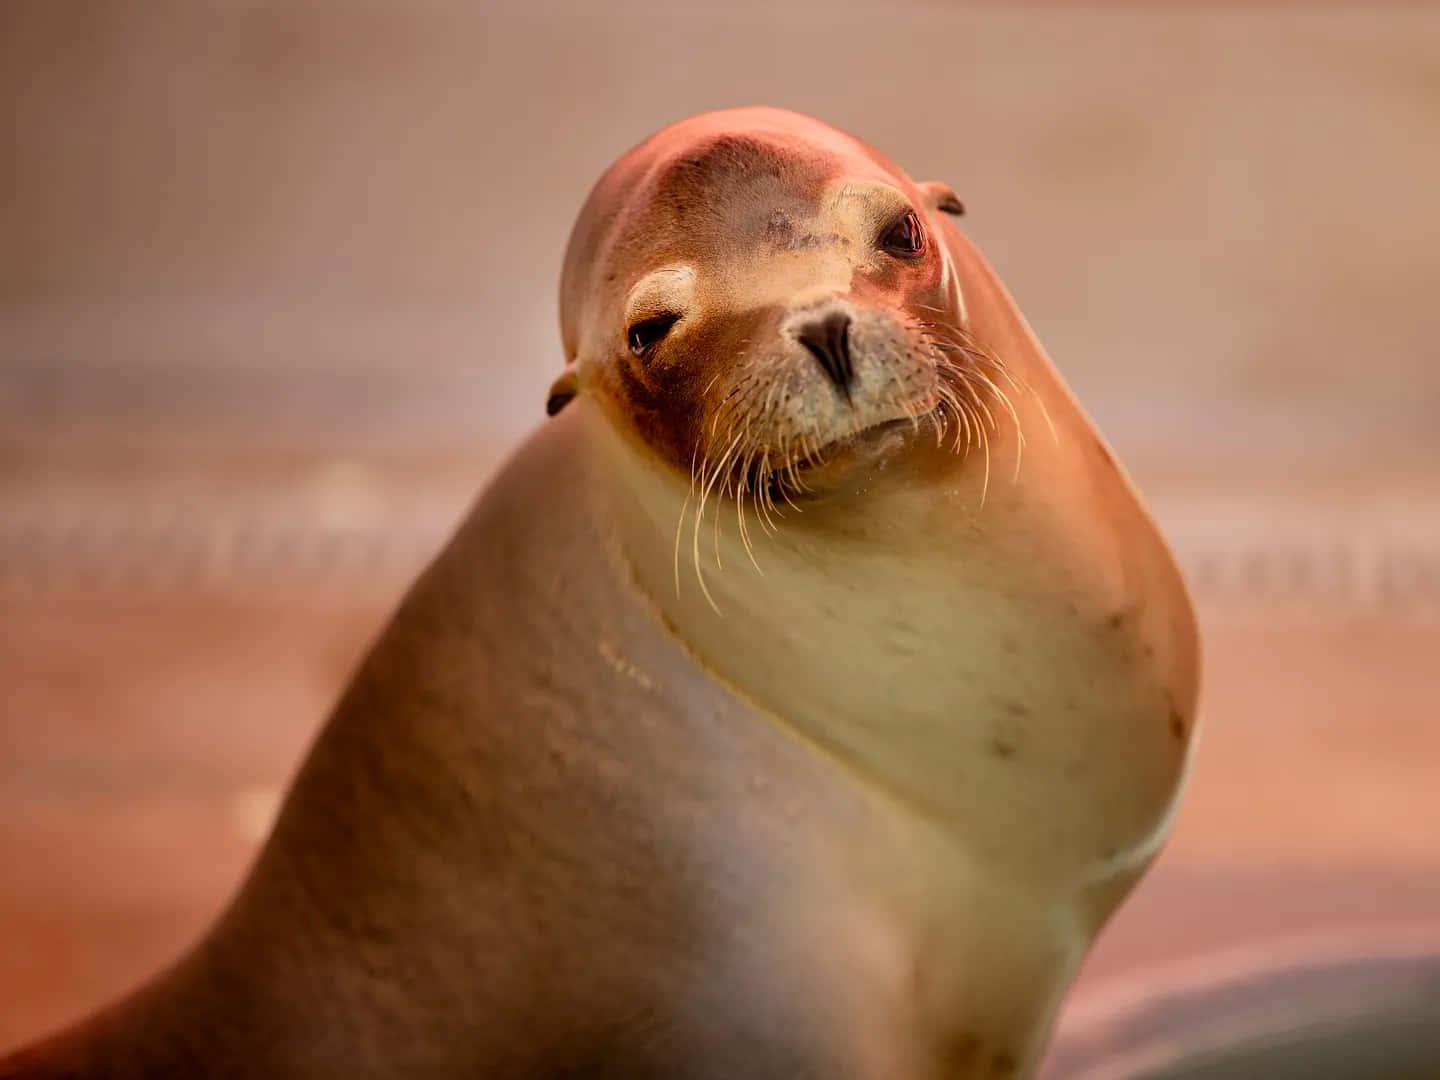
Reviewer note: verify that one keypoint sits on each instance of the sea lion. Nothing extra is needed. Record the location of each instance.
(798, 701)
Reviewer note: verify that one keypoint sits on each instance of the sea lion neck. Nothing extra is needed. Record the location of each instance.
(901, 631)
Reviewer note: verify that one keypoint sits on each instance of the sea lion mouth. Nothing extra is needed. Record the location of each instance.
(855, 440)
(820, 468)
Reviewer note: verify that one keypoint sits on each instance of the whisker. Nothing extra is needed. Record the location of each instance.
(680, 523)
(1015, 416)
(706, 486)
(740, 518)
(705, 494)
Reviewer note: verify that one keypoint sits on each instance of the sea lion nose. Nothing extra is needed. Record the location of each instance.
(828, 338)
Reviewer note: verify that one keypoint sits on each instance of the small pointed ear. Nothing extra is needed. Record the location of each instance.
(562, 391)
(941, 198)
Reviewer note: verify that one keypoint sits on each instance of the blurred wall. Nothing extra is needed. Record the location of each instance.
(348, 219)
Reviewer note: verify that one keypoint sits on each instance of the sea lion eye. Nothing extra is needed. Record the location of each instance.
(904, 237)
(644, 335)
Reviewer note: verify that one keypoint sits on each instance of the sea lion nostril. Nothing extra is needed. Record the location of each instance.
(828, 338)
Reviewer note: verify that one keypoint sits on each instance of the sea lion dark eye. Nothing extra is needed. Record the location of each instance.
(905, 237)
(644, 335)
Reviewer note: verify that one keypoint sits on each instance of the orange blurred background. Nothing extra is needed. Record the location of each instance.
(277, 292)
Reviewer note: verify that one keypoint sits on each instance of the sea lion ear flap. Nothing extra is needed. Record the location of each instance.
(562, 391)
(941, 197)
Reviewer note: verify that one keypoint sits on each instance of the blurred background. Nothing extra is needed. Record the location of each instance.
(277, 293)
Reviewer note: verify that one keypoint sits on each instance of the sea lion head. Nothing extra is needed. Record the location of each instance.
(770, 305)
